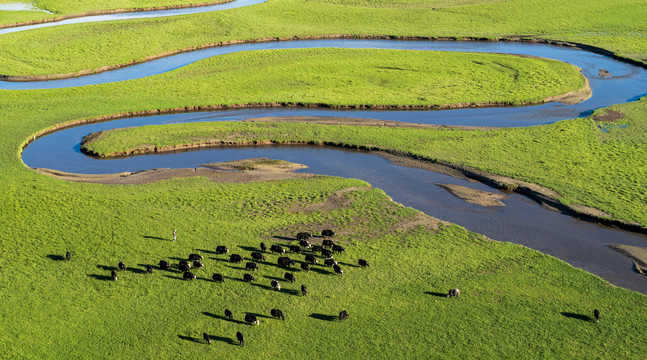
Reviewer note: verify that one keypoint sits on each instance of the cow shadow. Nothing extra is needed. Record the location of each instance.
(324, 317)
(107, 268)
(221, 317)
(155, 238)
(221, 259)
(436, 294)
(137, 270)
(56, 257)
(235, 267)
(100, 277)
(320, 270)
(576, 316)
(207, 251)
(226, 340)
(174, 277)
(274, 278)
(179, 258)
(260, 315)
(283, 238)
(249, 248)
(348, 264)
(191, 338)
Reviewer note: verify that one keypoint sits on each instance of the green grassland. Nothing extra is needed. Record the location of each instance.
(617, 26)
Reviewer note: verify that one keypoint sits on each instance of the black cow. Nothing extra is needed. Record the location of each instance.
(311, 259)
(221, 249)
(454, 293)
(285, 262)
(197, 264)
(326, 253)
(251, 266)
(327, 233)
(184, 266)
(295, 249)
(304, 244)
(263, 248)
(304, 290)
(327, 243)
(290, 277)
(343, 315)
(257, 256)
(249, 277)
(277, 249)
(164, 265)
(338, 269)
(596, 314)
(330, 262)
(362, 263)
(122, 266)
(188, 275)
(316, 248)
(114, 275)
(218, 278)
(205, 336)
(305, 267)
(149, 269)
(193, 257)
(240, 338)
(251, 319)
(235, 258)
(68, 256)
(338, 249)
(229, 315)
(276, 313)
(276, 285)
(303, 236)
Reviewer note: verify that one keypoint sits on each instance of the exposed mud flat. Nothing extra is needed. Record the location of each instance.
(608, 116)
(636, 253)
(474, 196)
(258, 164)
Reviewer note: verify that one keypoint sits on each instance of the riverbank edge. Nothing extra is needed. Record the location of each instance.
(522, 39)
(545, 196)
(111, 12)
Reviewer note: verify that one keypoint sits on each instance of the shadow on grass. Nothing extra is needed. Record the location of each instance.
(235, 267)
(223, 318)
(249, 248)
(324, 317)
(274, 278)
(107, 268)
(260, 315)
(155, 238)
(319, 270)
(347, 264)
(436, 294)
(56, 257)
(191, 338)
(226, 340)
(137, 270)
(283, 238)
(100, 277)
(576, 316)
(207, 251)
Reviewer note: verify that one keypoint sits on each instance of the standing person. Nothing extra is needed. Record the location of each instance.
(174, 235)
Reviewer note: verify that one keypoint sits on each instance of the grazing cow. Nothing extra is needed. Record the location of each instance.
(277, 249)
(285, 262)
(295, 249)
(327, 233)
(326, 253)
(305, 267)
(249, 277)
(276, 285)
(276, 313)
(596, 314)
(257, 256)
(186, 264)
(229, 315)
(114, 275)
(343, 315)
(251, 319)
(122, 266)
(221, 249)
(149, 269)
(327, 243)
(263, 248)
(330, 262)
(304, 244)
(218, 278)
(68, 256)
(194, 257)
(197, 264)
(290, 277)
(184, 267)
(316, 248)
(188, 275)
(205, 336)
(304, 290)
(338, 249)
(311, 259)
(235, 258)
(251, 266)
(240, 338)
(362, 263)
(338, 269)
(454, 293)
(303, 236)
(164, 265)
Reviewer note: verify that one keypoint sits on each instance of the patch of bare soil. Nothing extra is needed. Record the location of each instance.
(603, 73)
(329, 120)
(474, 196)
(608, 116)
(338, 200)
(259, 164)
(636, 253)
